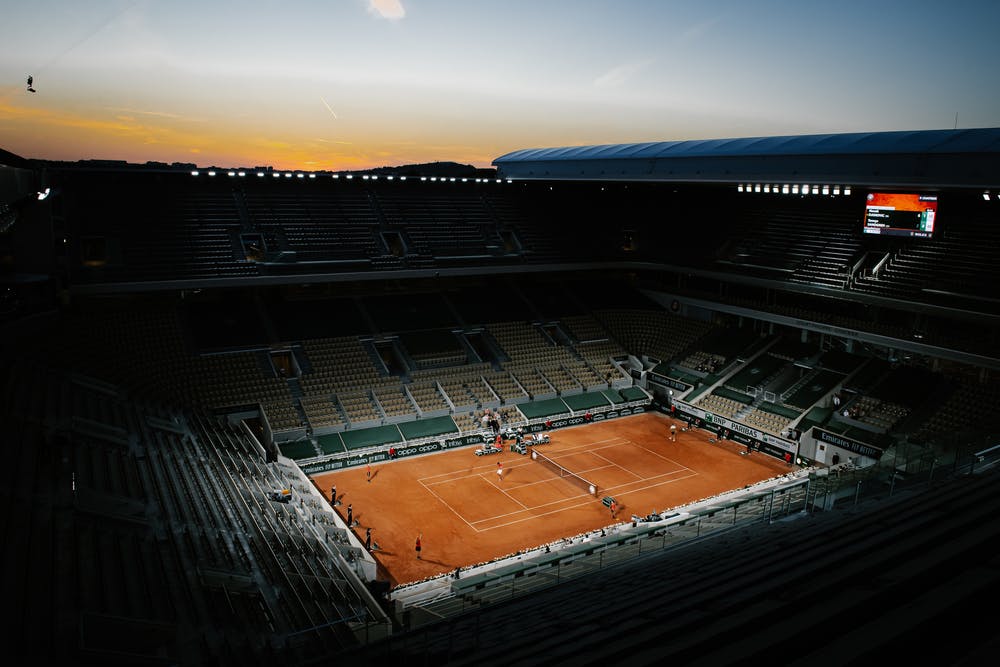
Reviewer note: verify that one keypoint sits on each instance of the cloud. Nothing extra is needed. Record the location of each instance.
(616, 76)
(387, 9)
(159, 114)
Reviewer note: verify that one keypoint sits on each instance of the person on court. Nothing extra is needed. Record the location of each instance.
(614, 509)
(350, 515)
(417, 547)
(673, 432)
(368, 539)
(500, 470)
(368, 472)
(333, 494)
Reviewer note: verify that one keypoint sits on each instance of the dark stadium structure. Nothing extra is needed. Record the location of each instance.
(184, 345)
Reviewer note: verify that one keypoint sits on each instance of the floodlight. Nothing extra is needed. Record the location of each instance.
(211, 173)
(986, 196)
(231, 173)
(739, 188)
(300, 175)
(784, 189)
(45, 193)
(194, 173)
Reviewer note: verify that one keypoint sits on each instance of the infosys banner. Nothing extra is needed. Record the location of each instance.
(765, 442)
(451, 443)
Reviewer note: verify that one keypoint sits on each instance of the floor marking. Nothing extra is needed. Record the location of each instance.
(483, 472)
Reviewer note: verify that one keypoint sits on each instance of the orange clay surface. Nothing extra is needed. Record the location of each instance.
(466, 514)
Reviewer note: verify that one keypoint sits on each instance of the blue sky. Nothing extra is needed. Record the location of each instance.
(340, 84)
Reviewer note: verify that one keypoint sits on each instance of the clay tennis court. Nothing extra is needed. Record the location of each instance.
(467, 514)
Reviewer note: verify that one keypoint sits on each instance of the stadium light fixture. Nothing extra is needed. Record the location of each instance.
(211, 173)
(739, 188)
(300, 175)
(836, 189)
(389, 178)
(260, 174)
(349, 177)
(826, 189)
(498, 180)
(402, 178)
(241, 173)
(986, 196)
(336, 175)
(509, 180)
(795, 189)
(194, 173)
(767, 188)
(784, 189)
(288, 175)
(364, 177)
(230, 173)
(44, 194)
(756, 187)
(452, 179)
(276, 175)
(312, 175)
(465, 180)
(423, 178)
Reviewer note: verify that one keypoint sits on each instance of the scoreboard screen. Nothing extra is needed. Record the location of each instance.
(900, 214)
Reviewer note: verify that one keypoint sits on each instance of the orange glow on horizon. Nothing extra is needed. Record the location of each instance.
(55, 133)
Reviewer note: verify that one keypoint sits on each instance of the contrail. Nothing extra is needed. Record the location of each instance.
(104, 23)
(328, 107)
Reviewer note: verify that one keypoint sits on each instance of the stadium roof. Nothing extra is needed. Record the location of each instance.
(928, 158)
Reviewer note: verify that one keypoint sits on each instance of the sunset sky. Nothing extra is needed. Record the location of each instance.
(347, 84)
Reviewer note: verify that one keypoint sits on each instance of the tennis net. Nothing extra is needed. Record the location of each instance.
(584, 484)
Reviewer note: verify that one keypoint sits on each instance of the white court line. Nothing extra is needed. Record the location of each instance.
(423, 481)
(535, 516)
(534, 507)
(501, 489)
(650, 486)
(454, 511)
(587, 447)
(624, 441)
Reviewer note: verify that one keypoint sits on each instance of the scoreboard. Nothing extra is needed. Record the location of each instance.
(900, 214)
